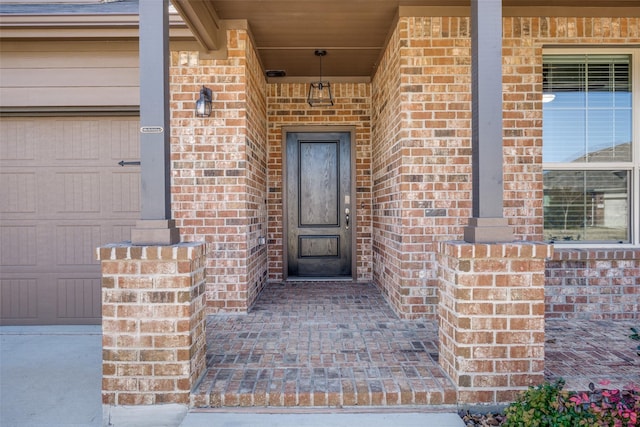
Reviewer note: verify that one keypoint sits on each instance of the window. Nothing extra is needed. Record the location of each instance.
(590, 146)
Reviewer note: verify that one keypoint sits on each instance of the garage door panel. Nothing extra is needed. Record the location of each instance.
(70, 300)
(78, 297)
(77, 140)
(18, 245)
(120, 233)
(18, 192)
(75, 244)
(18, 141)
(19, 298)
(115, 231)
(63, 195)
(125, 192)
(57, 246)
(78, 192)
(118, 140)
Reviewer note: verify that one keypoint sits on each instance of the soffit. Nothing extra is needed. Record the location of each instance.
(285, 32)
(354, 32)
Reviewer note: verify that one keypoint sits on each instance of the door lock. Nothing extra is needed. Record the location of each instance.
(346, 214)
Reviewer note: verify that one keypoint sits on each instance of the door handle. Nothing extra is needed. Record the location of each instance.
(346, 214)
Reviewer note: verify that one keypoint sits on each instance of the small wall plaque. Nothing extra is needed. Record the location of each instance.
(151, 129)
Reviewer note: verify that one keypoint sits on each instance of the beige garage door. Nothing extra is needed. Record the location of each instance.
(62, 194)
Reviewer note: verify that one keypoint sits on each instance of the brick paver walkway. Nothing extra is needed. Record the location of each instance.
(583, 351)
(340, 344)
(321, 344)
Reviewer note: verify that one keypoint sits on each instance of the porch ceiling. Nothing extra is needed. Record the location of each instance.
(354, 32)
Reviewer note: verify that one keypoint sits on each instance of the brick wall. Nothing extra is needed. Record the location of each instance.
(421, 139)
(287, 106)
(256, 175)
(422, 150)
(387, 139)
(219, 168)
(593, 284)
(153, 322)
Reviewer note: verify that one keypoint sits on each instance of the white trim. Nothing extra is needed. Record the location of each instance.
(635, 147)
(633, 165)
(573, 245)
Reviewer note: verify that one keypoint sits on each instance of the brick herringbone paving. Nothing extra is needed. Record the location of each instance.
(584, 351)
(340, 344)
(321, 344)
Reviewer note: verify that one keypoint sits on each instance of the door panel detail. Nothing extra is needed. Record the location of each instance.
(319, 246)
(319, 186)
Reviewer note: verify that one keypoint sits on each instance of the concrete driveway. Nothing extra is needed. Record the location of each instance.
(50, 375)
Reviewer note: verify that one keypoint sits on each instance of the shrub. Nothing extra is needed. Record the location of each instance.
(548, 405)
(618, 408)
(636, 337)
(544, 406)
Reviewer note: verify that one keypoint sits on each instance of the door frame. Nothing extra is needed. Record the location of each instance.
(352, 194)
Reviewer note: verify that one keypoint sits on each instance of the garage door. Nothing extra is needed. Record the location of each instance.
(62, 194)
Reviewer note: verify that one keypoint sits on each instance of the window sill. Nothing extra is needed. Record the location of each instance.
(574, 245)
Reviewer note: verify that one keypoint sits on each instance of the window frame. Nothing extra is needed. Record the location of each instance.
(633, 166)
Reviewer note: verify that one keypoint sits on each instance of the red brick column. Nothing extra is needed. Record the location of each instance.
(153, 322)
(491, 317)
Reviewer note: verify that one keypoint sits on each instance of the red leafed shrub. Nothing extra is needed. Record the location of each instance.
(611, 407)
(550, 406)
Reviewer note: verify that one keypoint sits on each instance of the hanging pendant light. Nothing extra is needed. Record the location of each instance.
(320, 92)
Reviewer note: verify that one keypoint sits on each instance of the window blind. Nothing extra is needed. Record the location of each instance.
(587, 116)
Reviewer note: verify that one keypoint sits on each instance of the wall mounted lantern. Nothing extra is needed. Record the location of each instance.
(203, 104)
(320, 92)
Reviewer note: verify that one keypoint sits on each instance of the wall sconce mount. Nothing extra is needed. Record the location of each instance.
(203, 104)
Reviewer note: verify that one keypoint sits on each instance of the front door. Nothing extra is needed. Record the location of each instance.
(320, 217)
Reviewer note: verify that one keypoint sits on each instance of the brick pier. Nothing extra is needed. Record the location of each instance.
(491, 318)
(153, 339)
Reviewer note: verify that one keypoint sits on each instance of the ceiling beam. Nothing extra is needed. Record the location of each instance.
(204, 23)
